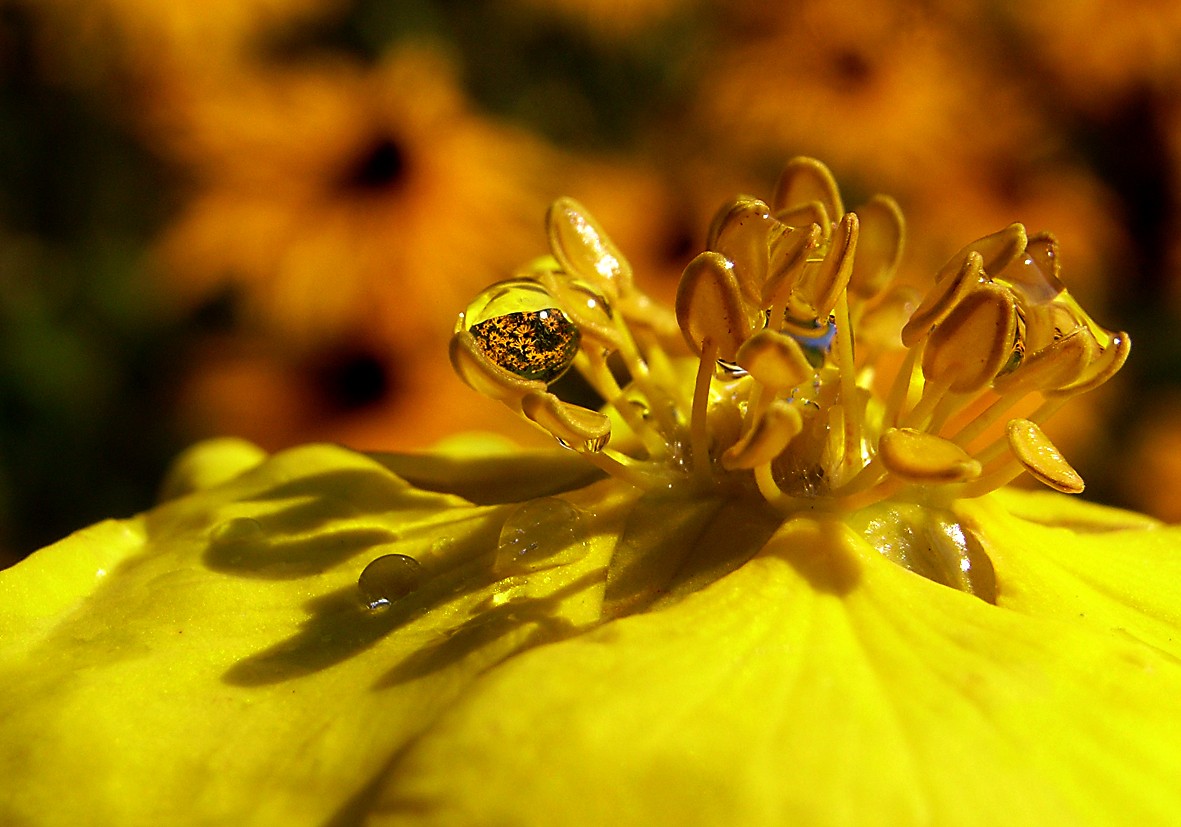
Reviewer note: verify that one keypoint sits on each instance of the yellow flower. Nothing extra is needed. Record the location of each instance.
(883, 89)
(796, 596)
(1101, 53)
(380, 183)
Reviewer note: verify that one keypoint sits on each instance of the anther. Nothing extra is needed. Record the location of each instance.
(771, 434)
(584, 249)
(1039, 457)
(919, 457)
(709, 306)
(969, 347)
(580, 428)
(804, 180)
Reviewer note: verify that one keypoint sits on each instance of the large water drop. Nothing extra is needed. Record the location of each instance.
(541, 534)
(389, 578)
(518, 325)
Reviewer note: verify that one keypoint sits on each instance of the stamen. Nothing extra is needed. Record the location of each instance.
(698, 427)
(818, 288)
(850, 401)
(584, 250)
(943, 297)
(920, 457)
(772, 433)
(774, 360)
(792, 311)
(803, 180)
(580, 428)
(879, 246)
(971, 345)
(1033, 452)
(741, 232)
(709, 306)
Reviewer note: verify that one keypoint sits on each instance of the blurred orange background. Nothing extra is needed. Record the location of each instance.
(260, 217)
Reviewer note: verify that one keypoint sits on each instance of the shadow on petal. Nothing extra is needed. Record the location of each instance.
(536, 618)
(290, 558)
(672, 546)
(494, 480)
(822, 551)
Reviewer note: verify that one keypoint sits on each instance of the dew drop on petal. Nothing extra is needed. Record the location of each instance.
(388, 579)
(519, 326)
(540, 534)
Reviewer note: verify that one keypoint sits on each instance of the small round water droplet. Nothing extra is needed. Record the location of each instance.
(518, 325)
(541, 534)
(239, 530)
(389, 578)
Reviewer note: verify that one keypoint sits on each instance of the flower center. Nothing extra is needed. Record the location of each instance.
(818, 379)
(381, 166)
(795, 333)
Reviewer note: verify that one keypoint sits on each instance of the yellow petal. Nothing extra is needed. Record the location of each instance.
(212, 661)
(819, 684)
(1084, 564)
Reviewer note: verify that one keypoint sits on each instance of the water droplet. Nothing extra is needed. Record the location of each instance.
(582, 302)
(519, 326)
(814, 337)
(240, 530)
(539, 534)
(727, 371)
(388, 579)
(1028, 277)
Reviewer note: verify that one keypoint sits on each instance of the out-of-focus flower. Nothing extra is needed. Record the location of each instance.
(884, 89)
(338, 198)
(356, 391)
(1152, 467)
(1101, 52)
(775, 583)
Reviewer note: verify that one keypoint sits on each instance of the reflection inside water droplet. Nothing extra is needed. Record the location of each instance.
(388, 579)
(236, 531)
(541, 534)
(930, 543)
(518, 325)
(814, 337)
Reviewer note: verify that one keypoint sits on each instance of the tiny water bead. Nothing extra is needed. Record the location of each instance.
(519, 327)
(541, 534)
(388, 579)
(814, 337)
